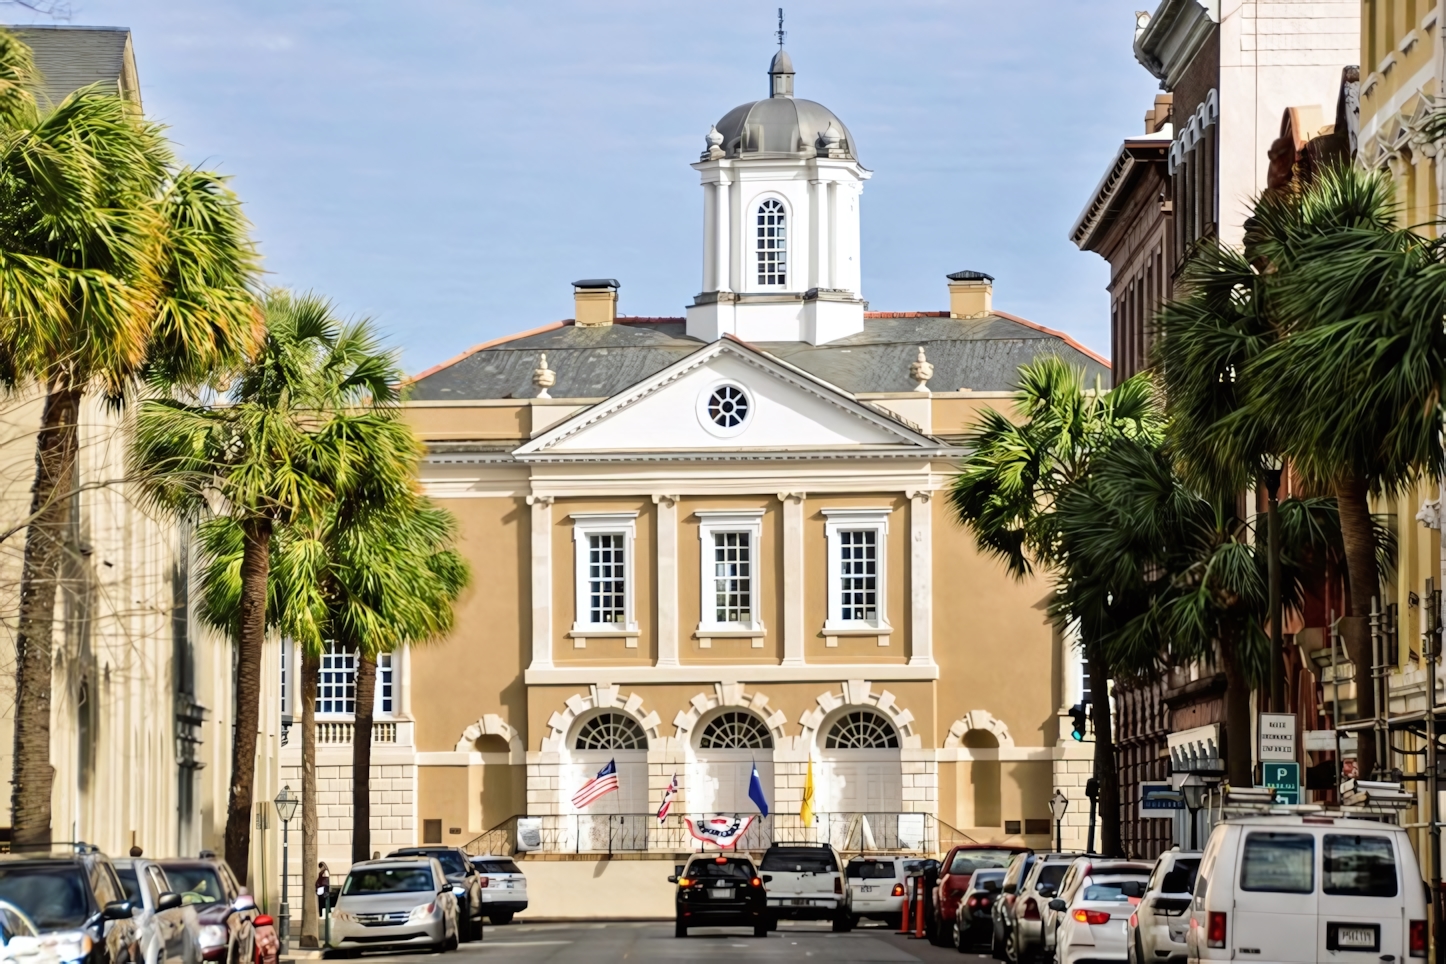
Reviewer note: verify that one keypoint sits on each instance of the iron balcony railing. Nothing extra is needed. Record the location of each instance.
(848, 832)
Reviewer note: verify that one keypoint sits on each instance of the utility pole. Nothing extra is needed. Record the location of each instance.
(1277, 640)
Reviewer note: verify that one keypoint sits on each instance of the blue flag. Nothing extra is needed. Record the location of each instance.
(755, 792)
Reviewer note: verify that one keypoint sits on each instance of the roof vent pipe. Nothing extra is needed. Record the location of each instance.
(971, 294)
(595, 302)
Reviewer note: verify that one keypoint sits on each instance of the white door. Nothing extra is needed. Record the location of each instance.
(721, 785)
(1275, 897)
(866, 786)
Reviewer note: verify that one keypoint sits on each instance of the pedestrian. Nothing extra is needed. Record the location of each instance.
(323, 886)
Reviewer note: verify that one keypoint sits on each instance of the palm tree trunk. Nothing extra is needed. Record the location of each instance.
(310, 913)
(1359, 537)
(1106, 771)
(361, 757)
(55, 458)
(1239, 761)
(255, 569)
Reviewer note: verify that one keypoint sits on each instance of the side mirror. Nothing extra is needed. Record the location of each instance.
(672, 878)
(117, 910)
(168, 901)
(1058, 906)
(1132, 888)
(767, 878)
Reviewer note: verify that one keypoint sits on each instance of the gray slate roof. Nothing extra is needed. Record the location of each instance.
(980, 354)
(70, 58)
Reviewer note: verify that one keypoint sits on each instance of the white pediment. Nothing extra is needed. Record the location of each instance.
(693, 406)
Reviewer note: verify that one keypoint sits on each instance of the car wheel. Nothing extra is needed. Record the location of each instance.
(894, 921)
(958, 936)
(996, 945)
(842, 924)
(680, 929)
(500, 917)
(760, 930)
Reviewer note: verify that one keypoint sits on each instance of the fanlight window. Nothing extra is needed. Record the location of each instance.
(736, 731)
(862, 730)
(772, 243)
(611, 731)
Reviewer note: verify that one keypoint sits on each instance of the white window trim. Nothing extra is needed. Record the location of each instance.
(712, 521)
(835, 522)
(706, 420)
(585, 524)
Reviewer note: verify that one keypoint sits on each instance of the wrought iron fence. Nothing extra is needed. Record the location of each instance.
(848, 832)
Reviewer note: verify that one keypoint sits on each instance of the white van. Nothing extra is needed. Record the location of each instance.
(1296, 888)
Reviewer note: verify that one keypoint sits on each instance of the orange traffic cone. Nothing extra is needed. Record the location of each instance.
(908, 910)
(919, 912)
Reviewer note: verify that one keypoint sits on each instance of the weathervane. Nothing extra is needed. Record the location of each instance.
(781, 34)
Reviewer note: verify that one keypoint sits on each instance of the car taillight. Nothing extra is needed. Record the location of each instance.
(898, 890)
(1091, 916)
(1031, 909)
(984, 902)
(1215, 929)
(1418, 938)
(483, 882)
(1135, 920)
(756, 882)
(972, 902)
(838, 885)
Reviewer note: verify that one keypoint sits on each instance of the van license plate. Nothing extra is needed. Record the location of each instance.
(1354, 937)
(722, 893)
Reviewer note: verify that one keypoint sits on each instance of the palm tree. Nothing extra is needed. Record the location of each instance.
(115, 265)
(1009, 486)
(282, 446)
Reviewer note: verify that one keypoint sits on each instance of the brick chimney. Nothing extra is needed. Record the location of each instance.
(595, 302)
(971, 294)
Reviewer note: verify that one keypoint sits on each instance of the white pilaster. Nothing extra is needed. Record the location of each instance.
(823, 241)
(667, 560)
(541, 580)
(921, 581)
(722, 241)
(710, 237)
(793, 581)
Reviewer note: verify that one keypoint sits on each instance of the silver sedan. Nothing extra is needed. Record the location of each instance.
(399, 902)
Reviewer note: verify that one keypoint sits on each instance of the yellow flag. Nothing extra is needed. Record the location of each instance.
(805, 812)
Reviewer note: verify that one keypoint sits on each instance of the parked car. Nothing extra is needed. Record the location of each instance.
(160, 934)
(1307, 888)
(974, 917)
(719, 891)
(1002, 919)
(1029, 941)
(504, 887)
(1096, 900)
(1157, 929)
(807, 884)
(876, 888)
(466, 884)
(222, 928)
(75, 900)
(395, 902)
(958, 865)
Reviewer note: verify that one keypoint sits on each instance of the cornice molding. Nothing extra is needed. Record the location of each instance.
(1175, 34)
(741, 673)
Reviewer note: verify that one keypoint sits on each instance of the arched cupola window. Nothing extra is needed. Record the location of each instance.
(611, 731)
(862, 730)
(736, 731)
(772, 243)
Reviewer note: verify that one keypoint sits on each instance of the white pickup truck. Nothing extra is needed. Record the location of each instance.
(807, 884)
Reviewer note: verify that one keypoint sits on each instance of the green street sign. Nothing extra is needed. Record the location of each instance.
(1285, 778)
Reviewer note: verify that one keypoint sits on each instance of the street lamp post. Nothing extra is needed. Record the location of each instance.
(286, 805)
(1058, 804)
(1273, 469)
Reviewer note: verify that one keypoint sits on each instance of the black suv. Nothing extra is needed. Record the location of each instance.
(466, 885)
(75, 891)
(720, 892)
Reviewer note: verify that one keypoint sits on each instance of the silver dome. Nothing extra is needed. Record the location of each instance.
(784, 124)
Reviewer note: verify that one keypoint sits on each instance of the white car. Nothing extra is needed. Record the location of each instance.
(1029, 939)
(876, 887)
(1307, 888)
(1093, 908)
(1158, 927)
(807, 884)
(397, 902)
(504, 888)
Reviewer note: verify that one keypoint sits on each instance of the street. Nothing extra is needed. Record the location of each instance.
(654, 941)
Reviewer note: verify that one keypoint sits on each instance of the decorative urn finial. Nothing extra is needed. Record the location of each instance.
(543, 377)
(714, 139)
(921, 371)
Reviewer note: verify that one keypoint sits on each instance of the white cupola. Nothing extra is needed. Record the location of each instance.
(781, 185)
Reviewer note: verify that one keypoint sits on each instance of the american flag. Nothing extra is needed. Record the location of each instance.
(599, 786)
(668, 796)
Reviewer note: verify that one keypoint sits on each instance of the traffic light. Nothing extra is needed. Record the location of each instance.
(1077, 713)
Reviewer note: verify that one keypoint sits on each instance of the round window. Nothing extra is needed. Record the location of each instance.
(725, 408)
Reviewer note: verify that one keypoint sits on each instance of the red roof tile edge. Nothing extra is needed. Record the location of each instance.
(906, 314)
(1058, 334)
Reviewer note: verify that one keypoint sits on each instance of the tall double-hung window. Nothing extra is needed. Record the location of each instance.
(857, 563)
(772, 243)
(730, 551)
(603, 547)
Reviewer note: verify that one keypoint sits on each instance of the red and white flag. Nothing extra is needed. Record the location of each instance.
(723, 830)
(599, 786)
(668, 796)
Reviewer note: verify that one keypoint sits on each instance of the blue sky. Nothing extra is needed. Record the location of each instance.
(447, 167)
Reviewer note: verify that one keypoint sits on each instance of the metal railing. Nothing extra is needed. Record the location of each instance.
(848, 832)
